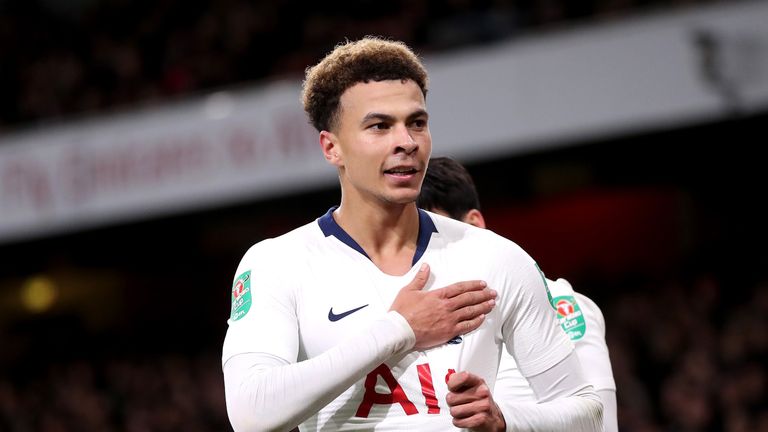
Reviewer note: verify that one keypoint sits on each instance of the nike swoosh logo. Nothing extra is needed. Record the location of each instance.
(335, 317)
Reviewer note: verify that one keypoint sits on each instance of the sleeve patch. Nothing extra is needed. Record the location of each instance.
(570, 317)
(241, 296)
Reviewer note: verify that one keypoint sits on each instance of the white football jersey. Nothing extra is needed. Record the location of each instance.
(583, 322)
(304, 292)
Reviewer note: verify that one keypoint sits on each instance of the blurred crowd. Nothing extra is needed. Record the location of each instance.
(63, 59)
(161, 393)
(687, 356)
(690, 356)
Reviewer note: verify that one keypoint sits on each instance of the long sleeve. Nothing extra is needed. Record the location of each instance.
(264, 392)
(593, 354)
(547, 359)
(566, 402)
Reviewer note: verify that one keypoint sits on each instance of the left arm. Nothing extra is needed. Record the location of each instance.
(593, 353)
(566, 403)
(545, 356)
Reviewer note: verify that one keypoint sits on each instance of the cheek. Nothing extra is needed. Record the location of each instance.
(426, 140)
(358, 165)
(426, 147)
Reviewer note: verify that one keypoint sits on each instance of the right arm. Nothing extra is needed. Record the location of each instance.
(266, 392)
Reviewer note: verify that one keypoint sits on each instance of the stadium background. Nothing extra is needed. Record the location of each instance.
(118, 326)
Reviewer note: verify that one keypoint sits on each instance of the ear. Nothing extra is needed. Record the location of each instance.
(474, 217)
(331, 149)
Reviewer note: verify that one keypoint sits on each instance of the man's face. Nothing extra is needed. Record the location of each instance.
(382, 141)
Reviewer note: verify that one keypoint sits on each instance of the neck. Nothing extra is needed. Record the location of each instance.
(387, 232)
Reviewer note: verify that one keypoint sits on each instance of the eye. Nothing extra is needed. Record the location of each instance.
(379, 126)
(419, 123)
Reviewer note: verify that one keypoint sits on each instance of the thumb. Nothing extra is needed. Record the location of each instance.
(461, 381)
(420, 280)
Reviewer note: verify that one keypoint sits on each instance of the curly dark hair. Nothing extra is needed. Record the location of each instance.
(368, 59)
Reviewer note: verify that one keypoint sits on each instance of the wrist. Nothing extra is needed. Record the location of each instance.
(404, 328)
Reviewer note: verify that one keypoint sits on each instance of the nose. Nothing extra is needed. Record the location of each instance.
(406, 143)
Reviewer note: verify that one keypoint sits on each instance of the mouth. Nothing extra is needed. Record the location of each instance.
(401, 171)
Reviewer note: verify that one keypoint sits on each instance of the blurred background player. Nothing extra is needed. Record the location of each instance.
(449, 190)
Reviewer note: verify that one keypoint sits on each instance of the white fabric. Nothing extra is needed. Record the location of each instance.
(304, 360)
(610, 414)
(251, 379)
(592, 352)
(568, 395)
(592, 349)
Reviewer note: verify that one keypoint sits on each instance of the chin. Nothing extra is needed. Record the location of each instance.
(403, 198)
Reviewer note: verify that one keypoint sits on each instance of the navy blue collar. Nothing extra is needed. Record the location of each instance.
(330, 228)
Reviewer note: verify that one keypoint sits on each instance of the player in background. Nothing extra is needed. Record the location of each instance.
(381, 316)
(448, 189)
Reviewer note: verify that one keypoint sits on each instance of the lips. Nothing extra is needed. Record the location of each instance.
(401, 171)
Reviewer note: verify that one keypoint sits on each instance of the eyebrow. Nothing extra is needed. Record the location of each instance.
(390, 118)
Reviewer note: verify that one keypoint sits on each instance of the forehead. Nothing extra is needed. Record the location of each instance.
(390, 96)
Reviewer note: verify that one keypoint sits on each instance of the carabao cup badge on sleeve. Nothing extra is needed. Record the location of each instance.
(241, 296)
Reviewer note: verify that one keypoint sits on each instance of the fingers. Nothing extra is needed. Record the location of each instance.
(463, 380)
(420, 280)
(472, 315)
(462, 287)
(466, 326)
(481, 421)
(473, 298)
(471, 403)
(470, 302)
(438, 315)
(467, 393)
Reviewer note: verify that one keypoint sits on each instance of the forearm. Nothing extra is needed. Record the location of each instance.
(575, 413)
(566, 402)
(610, 414)
(267, 393)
